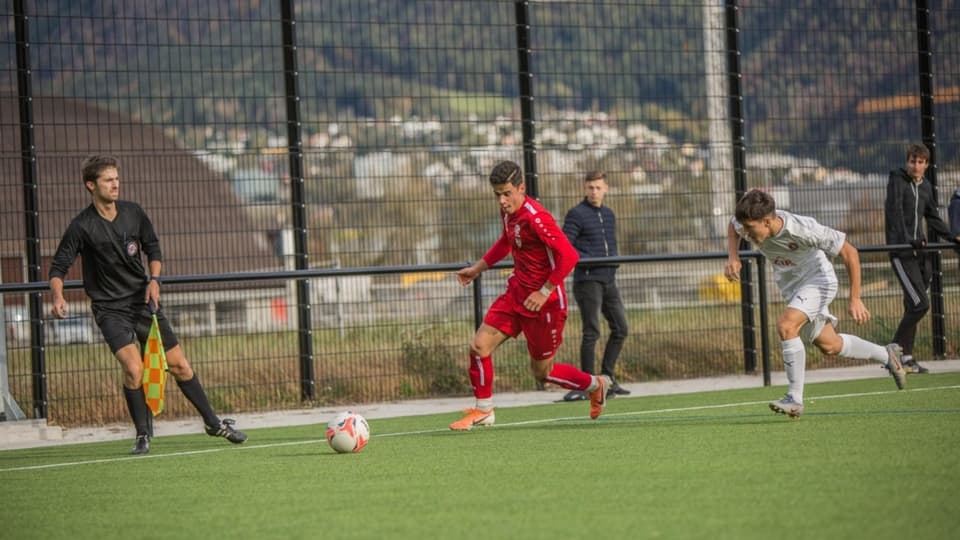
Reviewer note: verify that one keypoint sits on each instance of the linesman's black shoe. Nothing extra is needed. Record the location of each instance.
(225, 430)
(142, 446)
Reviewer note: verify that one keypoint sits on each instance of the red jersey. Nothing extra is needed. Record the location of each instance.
(541, 252)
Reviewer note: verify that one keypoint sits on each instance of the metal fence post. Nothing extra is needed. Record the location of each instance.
(28, 161)
(927, 117)
(527, 122)
(764, 319)
(735, 101)
(297, 198)
(9, 409)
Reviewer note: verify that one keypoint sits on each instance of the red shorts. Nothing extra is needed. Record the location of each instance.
(544, 332)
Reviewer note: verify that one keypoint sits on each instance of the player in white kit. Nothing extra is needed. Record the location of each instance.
(797, 248)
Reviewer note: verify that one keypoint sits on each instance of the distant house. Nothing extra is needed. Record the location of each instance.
(255, 185)
(376, 171)
(202, 225)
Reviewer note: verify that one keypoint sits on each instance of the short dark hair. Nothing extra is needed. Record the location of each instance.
(918, 150)
(93, 166)
(506, 172)
(755, 204)
(594, 175)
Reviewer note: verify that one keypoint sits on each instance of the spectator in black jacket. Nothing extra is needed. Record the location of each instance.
(909, 201)
(591, 228)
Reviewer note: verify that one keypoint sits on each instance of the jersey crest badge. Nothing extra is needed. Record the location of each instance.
(132, 248)
(516, 235)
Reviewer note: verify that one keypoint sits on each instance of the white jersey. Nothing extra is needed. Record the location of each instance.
(798, 253)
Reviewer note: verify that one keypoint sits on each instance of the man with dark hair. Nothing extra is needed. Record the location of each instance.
(591, 228)
(909, 202)
(534, 303)
(797, 247)
(112, 236)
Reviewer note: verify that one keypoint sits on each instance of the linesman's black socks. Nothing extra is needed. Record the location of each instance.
(137, 405)
(194, 392)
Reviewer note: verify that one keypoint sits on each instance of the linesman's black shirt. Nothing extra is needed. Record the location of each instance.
(111, 251)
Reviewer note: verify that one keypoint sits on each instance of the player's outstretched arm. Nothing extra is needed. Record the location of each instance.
(67, 251)
(152, 294)
(732, 269)
(59, 304)
(565, 256)
(851, 260)
(466, 275)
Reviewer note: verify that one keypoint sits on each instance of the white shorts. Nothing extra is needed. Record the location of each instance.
(814, 301)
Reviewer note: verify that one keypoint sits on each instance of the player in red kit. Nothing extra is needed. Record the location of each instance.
(535, 302)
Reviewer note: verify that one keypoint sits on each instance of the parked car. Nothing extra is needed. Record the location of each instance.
(18, 325)
(69, 330)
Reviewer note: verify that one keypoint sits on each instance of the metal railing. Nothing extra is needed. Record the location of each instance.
(755, 289)
(481, 290)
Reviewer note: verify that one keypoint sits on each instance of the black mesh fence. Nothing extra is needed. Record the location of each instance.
(402, 109)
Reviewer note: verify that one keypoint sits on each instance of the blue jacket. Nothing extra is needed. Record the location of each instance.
(593, 233)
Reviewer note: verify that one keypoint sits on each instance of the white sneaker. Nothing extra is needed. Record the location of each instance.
(787, 406)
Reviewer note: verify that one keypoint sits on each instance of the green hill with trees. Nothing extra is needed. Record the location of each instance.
(807, 65)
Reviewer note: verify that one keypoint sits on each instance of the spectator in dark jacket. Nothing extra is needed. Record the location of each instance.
(591, 228)
(909, 201)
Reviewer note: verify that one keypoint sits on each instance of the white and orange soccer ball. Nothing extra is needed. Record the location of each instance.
(348, 432)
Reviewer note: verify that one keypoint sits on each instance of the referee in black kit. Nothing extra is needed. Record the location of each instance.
(111, 236)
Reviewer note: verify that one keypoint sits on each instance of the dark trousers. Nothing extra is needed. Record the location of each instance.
(593, 298)
(914, 275)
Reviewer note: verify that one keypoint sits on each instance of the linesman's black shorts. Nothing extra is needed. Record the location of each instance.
(127, 321)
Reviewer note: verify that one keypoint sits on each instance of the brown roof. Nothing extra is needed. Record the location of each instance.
(201, 224)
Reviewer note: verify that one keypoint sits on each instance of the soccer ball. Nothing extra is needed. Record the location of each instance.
(348, 432)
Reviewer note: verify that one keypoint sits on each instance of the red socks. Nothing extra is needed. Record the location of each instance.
(569, 377)
(481, 376)
(565, 375)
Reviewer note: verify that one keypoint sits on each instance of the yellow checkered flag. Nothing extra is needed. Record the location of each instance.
(154, 369)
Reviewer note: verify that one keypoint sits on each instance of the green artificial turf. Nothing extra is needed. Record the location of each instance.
(864, 461)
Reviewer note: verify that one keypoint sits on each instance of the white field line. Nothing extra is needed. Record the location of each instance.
(443, 430)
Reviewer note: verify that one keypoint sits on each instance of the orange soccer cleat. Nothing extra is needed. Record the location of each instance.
(598, 398)
(473, 417)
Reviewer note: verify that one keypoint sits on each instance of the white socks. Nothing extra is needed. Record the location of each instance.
(795, 359)
(795, 364)
(861, 349)
(485, 404)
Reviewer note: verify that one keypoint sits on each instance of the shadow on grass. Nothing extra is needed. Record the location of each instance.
(706, 420)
